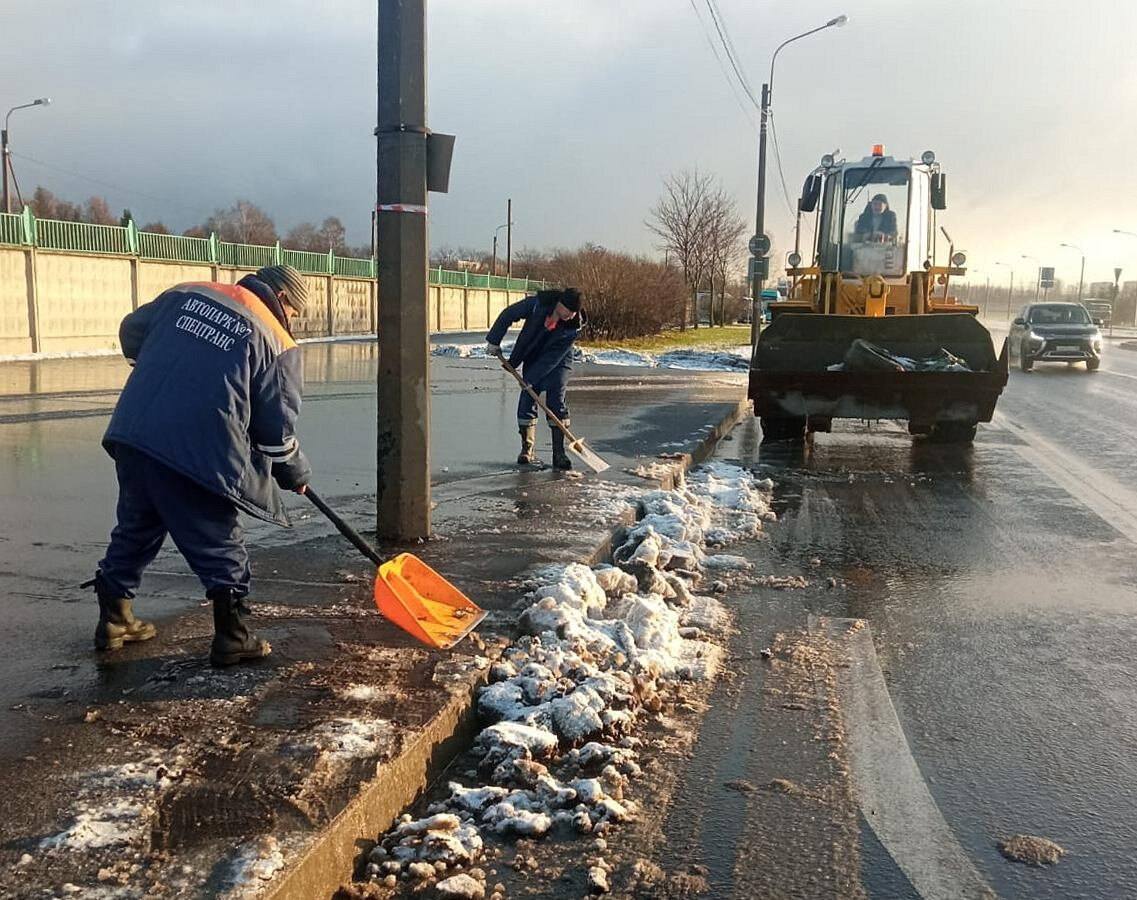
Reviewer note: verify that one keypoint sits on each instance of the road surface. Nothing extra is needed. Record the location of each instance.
(999, 586)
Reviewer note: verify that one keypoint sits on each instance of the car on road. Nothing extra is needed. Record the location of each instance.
(1055, 332)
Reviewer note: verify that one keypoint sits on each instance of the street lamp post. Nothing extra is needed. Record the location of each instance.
(493, 268)
(1038, 280)
(5, 152)
(756, 280)
(1010, 289)
(1082, 274)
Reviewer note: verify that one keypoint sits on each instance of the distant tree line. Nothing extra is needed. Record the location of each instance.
(242, 223)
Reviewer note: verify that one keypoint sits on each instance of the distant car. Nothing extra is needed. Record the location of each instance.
(1055, 332)
(768, 296)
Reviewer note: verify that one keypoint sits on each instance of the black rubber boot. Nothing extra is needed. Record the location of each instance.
(560, 458)
(232, 641)
(117, 624)
(528, 439)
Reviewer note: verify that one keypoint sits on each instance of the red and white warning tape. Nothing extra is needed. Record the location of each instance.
(401, 207)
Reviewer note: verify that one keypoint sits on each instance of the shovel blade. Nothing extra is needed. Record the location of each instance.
(586, 456)
(413, 596)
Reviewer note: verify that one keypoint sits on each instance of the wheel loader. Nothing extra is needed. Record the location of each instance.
(870, 330)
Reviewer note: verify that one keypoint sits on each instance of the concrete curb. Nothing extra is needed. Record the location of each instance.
(339, 847)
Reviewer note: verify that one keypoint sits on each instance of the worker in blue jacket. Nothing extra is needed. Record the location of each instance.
(543, 352)
(204, 427)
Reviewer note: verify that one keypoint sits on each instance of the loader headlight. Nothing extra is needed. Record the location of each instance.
(794, 259)
(958, 259)
(928, 157)
(827, 160)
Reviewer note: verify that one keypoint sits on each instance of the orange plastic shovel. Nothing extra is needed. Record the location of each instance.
(409, 593)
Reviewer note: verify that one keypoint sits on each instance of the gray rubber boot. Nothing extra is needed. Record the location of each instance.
(232, 641)
(560, 458)
(528, 439)
(117, 624)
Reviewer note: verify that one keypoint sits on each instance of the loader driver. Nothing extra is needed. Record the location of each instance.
(877, 224)
(553, 319)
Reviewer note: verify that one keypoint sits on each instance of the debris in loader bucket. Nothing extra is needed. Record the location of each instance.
(864, 356)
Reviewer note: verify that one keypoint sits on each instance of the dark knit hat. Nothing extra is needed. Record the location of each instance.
(880, 197)
(287, 279)
(570, 297)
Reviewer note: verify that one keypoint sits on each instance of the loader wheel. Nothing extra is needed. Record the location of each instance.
(782, 429)
(1092, 365)
(953, 432)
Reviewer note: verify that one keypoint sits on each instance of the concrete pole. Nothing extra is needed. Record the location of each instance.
(509, 238)
(403, 446)
(759, 217)
(4, 164)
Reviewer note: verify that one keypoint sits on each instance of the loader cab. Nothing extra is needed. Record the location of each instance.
(875, 217)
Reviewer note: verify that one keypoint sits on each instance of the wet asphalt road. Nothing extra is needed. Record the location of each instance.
(1000, 586)
(59, 485)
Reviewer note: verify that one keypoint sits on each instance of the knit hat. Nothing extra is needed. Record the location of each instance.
(880, 197)
(570, 297)
(287, 279)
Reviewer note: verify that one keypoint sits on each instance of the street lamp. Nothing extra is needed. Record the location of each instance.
(757, 280)
(1038, 281)
(1082, 275)
(5, 152)
(1011, 289)
(493, 268)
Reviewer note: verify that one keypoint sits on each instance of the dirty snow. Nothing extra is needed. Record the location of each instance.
(346, 739)
(254, 864)
(112, 807)
(599, 647)
(735, 359)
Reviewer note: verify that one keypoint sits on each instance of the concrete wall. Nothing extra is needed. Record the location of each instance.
(56, 303)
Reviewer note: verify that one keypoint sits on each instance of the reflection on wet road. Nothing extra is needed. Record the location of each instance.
(999, 585)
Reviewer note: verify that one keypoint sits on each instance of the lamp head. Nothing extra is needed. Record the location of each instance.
(42, 101)
(837, 22)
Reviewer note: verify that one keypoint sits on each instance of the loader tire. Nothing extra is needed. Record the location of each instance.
(782, 429)
(953, 432)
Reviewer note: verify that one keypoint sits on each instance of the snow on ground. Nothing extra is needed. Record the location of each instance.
(728, 360)
(112, 807)
(598, 648)
(255, 864)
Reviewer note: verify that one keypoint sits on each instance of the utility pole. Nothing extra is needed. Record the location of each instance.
(403, 446)
(756, 281)
(509, 238)
(4, 152)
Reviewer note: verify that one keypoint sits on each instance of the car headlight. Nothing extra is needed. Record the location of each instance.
(1097, 345)
(1036, 338)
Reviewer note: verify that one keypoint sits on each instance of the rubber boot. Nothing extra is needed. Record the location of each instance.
(117, 624)
(560, 458)
(528, 439)
(232, 641)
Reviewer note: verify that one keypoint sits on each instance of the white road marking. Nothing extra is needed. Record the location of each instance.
(890, 790)
(1097, 491)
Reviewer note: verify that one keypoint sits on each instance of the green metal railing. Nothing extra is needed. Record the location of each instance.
(25, 230)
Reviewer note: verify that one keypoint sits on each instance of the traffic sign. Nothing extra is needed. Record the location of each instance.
(759, 245)
(1117, 275)
(1046, 277)
(759, 267)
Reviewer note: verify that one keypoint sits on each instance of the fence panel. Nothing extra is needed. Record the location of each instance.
(173, 247)
(245, 256)
(11, 228)
(352, 267)
(306, 261)
(82, 237)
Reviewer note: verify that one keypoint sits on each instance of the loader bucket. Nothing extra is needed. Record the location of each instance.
(791, 376)
(414, 597)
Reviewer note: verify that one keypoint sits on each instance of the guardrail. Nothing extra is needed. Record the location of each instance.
(25, 230)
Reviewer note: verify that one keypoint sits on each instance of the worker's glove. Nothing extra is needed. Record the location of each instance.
(493, 350)
(293, 474)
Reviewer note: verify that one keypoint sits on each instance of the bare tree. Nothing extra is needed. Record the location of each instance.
(725, 231)
(242, 223)
(155, 228)
(681, 220)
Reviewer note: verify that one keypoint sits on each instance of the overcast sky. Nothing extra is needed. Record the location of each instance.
(578, 110)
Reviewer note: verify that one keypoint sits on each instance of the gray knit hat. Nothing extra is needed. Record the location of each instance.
(287, 279)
